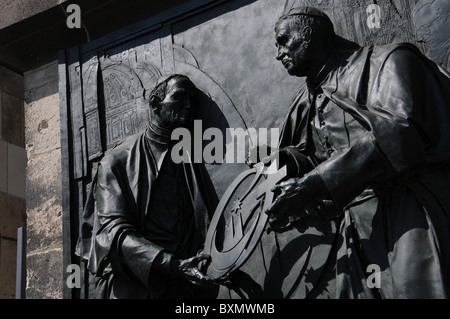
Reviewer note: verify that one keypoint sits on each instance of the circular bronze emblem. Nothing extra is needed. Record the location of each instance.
(240, 219)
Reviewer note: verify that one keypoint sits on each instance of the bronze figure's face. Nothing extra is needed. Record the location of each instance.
(292, 48)
(177, 107)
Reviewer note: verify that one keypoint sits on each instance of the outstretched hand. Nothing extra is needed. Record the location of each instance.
(293, 195)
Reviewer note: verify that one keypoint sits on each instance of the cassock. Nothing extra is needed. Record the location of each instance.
(141, 204)
(377, 129)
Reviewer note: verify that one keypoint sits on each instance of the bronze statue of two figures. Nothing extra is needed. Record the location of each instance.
(357, 207)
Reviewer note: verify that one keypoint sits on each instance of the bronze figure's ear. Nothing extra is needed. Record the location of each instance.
(155, 103)
(306, 34)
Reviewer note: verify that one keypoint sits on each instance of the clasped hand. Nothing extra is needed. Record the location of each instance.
(188, 269)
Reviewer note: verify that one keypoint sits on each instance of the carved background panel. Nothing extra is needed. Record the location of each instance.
(227, 49)
(425, 23)
(128, 72)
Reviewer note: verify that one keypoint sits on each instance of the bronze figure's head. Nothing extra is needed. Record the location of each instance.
(173, 101)
(304, 38)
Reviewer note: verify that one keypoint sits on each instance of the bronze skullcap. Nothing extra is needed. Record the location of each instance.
(309, 11)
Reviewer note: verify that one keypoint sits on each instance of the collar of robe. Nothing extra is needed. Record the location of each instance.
(158, 134)
(338, 58)
(315, 81)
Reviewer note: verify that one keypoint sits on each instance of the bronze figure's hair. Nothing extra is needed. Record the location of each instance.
(160, 90)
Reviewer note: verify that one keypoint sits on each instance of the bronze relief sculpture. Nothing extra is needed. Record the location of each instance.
(374, 122)
(366, 149)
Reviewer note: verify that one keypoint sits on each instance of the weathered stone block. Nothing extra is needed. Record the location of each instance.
(44, 211)
(11, 82)
(17, 163)
(41, 76)
(14, 11)
(12, 119)
(43, 178)
(8, 252)
(12, 215)
(42, 135)
(42, 132)
(45, 274)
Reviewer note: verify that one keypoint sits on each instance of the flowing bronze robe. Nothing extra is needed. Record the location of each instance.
(124, 230)
(391, 177)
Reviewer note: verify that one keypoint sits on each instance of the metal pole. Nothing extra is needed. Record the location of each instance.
(20, 276)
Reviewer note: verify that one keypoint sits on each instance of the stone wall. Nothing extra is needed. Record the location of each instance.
(43, 176)
(14, 11)
(12, 176)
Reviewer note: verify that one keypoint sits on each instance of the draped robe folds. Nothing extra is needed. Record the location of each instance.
(115, 241)
(392, 182)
